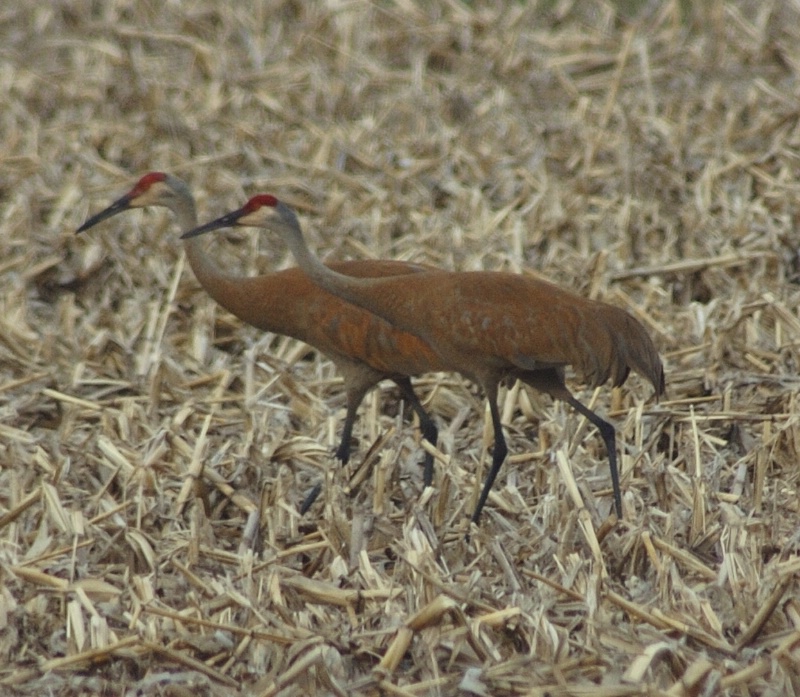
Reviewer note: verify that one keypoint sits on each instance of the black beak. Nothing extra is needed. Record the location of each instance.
(227, 220)
(118, 206)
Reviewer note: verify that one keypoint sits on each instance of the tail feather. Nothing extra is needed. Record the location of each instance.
(640, 353)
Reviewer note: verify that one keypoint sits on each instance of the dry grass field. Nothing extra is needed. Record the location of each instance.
(154, 449)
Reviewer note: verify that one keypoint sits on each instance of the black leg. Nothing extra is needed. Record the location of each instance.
(498, 454)
(609, 436)
(310, 498)
(426, 425)
(551, 381)
(354, 399)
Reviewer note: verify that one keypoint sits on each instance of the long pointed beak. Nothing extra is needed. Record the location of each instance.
(118, 206)
(227, 220)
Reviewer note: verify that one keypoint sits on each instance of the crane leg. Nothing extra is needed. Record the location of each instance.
(354, 399)
(552, 382)
(426, 425)
(310, 498)
(498, 454)
(609, 436)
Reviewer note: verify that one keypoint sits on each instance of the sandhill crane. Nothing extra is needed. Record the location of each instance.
(364, 348)
(487, 326)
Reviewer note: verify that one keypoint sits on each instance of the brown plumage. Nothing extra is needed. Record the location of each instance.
(365, 348)
(488, 326)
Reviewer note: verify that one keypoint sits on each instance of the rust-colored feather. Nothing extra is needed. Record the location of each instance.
(488, 322)
(288, 302)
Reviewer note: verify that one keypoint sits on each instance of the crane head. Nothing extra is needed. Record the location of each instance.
(259, 211)
(153, 189)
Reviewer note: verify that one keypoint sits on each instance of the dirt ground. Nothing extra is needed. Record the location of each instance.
(154, 449)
